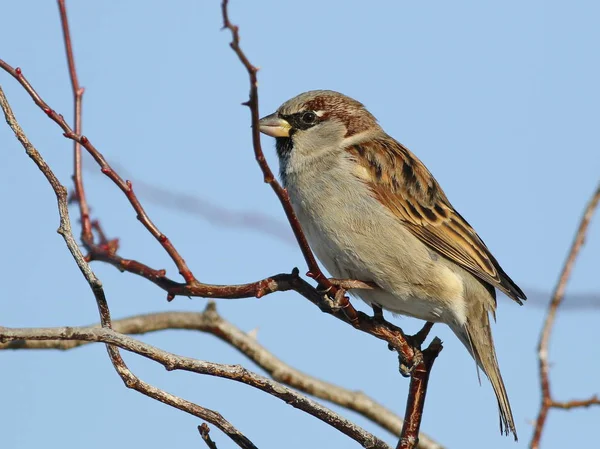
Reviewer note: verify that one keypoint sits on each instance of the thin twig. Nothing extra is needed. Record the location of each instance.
(268, 177)
(84, 211)
(204, 433)
(96, 286)
(547, 401)
(386, 331)
(576, 403)
(342, 309)
(125, 186)
(315, 272)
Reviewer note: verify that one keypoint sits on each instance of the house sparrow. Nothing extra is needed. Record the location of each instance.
(372, 211)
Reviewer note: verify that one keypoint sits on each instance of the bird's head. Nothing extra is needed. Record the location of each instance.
(316, 123)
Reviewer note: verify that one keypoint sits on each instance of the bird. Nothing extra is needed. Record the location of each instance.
(371, 211)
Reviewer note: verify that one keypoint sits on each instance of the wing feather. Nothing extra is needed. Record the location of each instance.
(402, 183)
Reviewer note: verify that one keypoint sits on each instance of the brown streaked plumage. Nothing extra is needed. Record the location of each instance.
(372, 211)
(403, 184)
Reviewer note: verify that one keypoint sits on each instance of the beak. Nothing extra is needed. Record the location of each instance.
(274, 126)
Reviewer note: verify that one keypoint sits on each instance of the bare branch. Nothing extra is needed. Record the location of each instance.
(268, 177)
(211, 322)
(125, 186)
(175, 362)
(96, 286)
(547, 401)
(584, 403)
(84, 211)
(415, 403)
(341, 308)
(204, 433)
(409, 353)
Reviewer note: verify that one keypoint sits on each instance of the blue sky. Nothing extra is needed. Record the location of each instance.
(499, 99)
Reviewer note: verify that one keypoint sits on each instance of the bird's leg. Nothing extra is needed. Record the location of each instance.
(415, 341)
(377, 312)
(343, 303)
(339, 302)
(328, 302)
(406, 367)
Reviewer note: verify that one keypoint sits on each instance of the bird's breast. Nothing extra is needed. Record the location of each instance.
(356, 237)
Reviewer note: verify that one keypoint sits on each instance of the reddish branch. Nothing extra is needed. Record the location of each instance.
(192, 287)
(130, 380)
(415, 403)
(548, 401)
(315, 271)
(106, 250)
(84, 211)
(125, 186)
(421, 364)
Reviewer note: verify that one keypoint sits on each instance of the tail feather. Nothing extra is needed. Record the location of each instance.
(476, 335)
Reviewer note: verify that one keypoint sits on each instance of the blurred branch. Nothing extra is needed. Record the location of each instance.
(264, 224)
(210, 211)
(547, 400)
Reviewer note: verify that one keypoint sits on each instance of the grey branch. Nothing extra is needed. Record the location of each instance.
(174, 362)
(65, 230)
(211, 322)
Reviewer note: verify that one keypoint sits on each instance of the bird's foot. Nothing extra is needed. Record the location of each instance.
(415, 341)
(339, 303)
(328, 303)
(343, 303)
(407, 367)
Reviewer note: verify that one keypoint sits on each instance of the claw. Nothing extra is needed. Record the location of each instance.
(406, 369)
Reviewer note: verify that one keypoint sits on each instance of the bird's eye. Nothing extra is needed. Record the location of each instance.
(309, 118)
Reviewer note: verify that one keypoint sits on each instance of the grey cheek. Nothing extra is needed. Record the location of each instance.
(433, 255)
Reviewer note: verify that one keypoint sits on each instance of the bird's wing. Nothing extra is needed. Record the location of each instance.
(401, 183)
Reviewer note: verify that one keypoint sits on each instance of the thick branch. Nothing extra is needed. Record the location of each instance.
(175, 362)
(211, 322)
